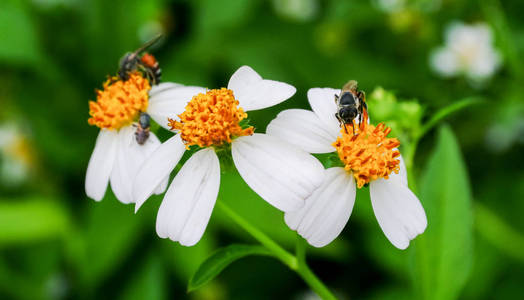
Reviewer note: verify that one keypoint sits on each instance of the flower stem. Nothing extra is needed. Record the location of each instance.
(305, 272)
(286, 257)
(296, 263)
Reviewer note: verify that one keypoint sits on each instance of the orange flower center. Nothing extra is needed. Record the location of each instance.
(120, 102)
(368, 153)
(211, 119)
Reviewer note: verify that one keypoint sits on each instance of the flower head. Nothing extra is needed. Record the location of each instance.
(368, 154)
(368, 157)
(120, 102)
(117, 154)
(280, 173)
(211, 119)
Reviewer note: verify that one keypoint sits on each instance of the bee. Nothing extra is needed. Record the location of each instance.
(145, 63)
(142, 128)
(350, 104)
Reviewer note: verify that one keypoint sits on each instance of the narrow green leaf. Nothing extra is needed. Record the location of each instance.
(31, 220)
(446, 111)
(217, 262)
(443, 254)
(498, 232)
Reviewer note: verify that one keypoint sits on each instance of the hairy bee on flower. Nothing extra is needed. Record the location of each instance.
(350, 104)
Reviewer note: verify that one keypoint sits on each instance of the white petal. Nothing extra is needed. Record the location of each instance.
(327, 210)
(149, 148)
(156, 89)
(254, 93)
(445, 62)
(124, 168)
(156, 168)
(100, 164)
(402, 176)
(322, 101)
(162, 186)
(170, 102)
(398, 212)
(130, 156)
(280, 173)
(189, 201)
(303, 129)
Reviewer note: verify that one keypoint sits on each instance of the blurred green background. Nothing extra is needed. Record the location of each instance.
(55, 243)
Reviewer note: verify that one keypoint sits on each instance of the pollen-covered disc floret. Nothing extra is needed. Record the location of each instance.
(120, 102)
(369, 154)
(211, 119)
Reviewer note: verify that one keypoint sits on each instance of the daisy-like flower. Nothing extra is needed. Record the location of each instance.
(369, 158)
(468, 50)
(117, 154)
(280, 173)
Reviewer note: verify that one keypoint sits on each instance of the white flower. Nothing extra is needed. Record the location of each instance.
(16, 157)
(390, 6)
(281, 174)
(398, 211)
(468, 50)
(117, 155)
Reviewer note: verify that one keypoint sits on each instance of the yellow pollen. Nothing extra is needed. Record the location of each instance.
(211, 119)
(369, 153)
(120, 102)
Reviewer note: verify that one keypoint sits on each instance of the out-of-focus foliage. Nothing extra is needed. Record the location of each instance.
(55, 243)
(443, 255)
(403, 117)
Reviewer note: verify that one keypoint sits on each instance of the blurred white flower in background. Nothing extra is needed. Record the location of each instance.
(298, 10)
(390, 6)
(400, 6)
(468, 51)
(15, 155)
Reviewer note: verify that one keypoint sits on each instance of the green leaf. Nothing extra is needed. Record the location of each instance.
(217, 262)
(443, 254)
(23, 221)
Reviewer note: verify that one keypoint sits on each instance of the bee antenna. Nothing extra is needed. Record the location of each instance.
(148, 43)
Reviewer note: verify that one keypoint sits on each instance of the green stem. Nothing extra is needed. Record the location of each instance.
(286, 257)
(410, 149)
(305, 272)
(297, 264)
(445, 112)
